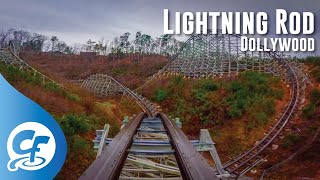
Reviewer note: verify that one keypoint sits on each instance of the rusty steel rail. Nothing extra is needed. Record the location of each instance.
(192, 165)
(109, 164)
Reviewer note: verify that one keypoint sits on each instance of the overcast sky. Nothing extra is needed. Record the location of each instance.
(78, 20)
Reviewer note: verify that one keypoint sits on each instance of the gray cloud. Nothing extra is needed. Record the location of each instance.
(79, 20)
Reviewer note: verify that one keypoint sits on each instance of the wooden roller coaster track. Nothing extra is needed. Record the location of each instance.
(201, 56)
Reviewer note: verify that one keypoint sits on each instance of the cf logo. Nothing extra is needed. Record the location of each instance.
(31, 146)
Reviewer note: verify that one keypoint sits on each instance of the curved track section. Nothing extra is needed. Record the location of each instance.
(10, 57)
(242, 163)
(202, 56)
(105, 85)
(217, 55)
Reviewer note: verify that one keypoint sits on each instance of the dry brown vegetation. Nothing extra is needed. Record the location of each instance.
(302, 138)
(127, 70)
(208, 104)
(78, 112)
(231, 133)
(233, 136)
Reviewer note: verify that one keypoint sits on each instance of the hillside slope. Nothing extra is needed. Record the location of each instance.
(301, 159)
(128, 71)
(239, 111)
(244, 106)
(78, 112)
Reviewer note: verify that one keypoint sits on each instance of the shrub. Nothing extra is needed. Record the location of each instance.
(66, 128)
(290, 140)
(257, 119)
(234, 111)
(180, 108)
(118, 71)
(315, 96)
(79, 144)
(209, 86)
(313, 60)
(51, 86)
(72, 124)
(12, 73)
(251, 124)
(73, 97)
(79, 124)
(199, 94)
(252, 93)
(178, 80)
(266, 105)
(201, 91)
(277, 93)
(309, 111)
(316, 74)
(261, 118)
(35, 79)
(161, 95)
(235, 86)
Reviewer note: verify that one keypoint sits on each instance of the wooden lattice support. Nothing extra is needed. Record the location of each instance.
(204, 56)
(10, 57)
(151, 154)
(104, 85)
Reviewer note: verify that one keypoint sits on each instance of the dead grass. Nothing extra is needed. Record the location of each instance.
(127, 71)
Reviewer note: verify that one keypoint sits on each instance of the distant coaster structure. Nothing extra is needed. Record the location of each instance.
(219, 55)
(201, 56)
(10, 57)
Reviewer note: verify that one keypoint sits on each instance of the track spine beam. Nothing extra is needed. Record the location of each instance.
(111, 160)
(192, 165)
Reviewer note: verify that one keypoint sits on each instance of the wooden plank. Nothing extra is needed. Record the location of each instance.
(109, 164)
(192, 165)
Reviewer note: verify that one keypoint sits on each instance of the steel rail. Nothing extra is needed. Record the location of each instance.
(192, 165)
(109, 164)
(242, 160)
(249, 158)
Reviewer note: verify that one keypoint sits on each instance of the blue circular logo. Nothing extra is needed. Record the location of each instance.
(35, 144)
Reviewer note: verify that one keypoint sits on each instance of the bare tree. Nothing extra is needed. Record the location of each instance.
(5, 36)
(124, 42)
(46, 46)
(35, 42)
(90, 44)
(76, 48)
(62, 47)
(53, 39)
